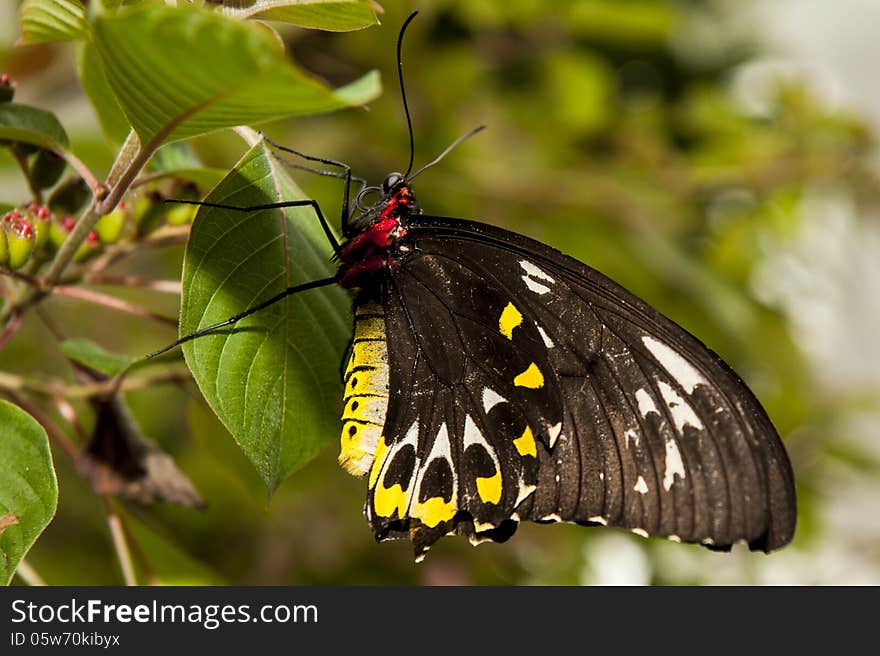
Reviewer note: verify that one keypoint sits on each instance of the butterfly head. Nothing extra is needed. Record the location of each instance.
(394, 200)
(374, 234)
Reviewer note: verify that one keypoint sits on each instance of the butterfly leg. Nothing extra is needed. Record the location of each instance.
(345, 175)
(273, 206)
(323, 282)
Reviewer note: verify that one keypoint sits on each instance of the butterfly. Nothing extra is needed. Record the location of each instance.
(493, 380)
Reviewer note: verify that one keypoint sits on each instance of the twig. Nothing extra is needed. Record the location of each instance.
(60, 390)
(99, 190)
(11, 328)
(21, 275)
(120, 185)
(164, 236)
(120, 544)
(112, 302)
(150, 177)
(29, 575)
(167, 286)
(70, 415)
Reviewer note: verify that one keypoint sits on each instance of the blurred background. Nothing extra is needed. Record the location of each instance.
(716, 157)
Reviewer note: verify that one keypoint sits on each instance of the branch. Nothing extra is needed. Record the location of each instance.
(120, 544)
(29, 575)
(10, 329)
(56, 387)
(98, 189)
(112, 302)
(166, 286)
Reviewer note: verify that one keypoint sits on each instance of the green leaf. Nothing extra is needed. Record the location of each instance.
(28, 489)
(178, 73)
(91, 74)
(272, 379)
(31, 125)
(53, 20)
(85, 351)
(330, 15)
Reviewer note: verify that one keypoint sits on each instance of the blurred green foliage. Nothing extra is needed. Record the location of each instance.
(614, 134)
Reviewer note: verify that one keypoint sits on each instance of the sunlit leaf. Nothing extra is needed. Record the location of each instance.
(273, 379)
(53, 20)
(330, 15)
(91, 75)
(178, 73)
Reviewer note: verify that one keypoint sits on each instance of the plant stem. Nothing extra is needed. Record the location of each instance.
(112, 302)
(29, 575)
(85, 173)
(120, 544)
(11, 328)
(166, 286)
(58, 388)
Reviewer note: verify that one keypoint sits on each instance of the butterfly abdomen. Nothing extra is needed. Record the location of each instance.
(365, 399)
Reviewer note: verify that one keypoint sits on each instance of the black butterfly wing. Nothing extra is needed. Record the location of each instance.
(525, 385)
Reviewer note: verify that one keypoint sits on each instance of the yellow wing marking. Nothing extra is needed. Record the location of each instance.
(378, 461)
(433, 511)
(489, 487)
(386, 500)
(525, 444)
(510, 319)
(531, 378)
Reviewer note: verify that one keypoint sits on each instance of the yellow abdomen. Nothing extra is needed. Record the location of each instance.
(365, 399)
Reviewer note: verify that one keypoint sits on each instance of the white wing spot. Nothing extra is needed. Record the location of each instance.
(552, 517)
(441, 449)
(535, 286)
(682, 413)
(679, 368)
(640, 531)
(674, 465)
(646, 403)
(472, 434)
(673, 538)
(491, 398)
(524, 492)
(534, 271)
(553, 433)
(641, 487)
(544, 336)
(598, 519)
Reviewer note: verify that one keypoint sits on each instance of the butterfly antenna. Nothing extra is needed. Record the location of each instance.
(446, 151)
(409, 126)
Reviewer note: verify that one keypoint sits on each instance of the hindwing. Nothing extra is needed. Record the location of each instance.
(524, 385)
